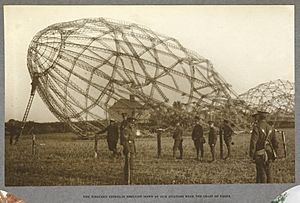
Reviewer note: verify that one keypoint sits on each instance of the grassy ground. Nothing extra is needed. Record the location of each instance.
(64, 160)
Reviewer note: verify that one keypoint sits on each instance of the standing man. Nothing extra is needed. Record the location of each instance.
(198, 138)
(178, 139)
(129, 134)
(135, 133)
(263, 147)
(112, 136)
(12, 130)
(227, 135)
(212, 139)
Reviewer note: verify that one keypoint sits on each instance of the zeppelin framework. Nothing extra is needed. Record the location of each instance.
(87, 66)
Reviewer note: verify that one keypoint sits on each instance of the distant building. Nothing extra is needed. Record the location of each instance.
(131, 107)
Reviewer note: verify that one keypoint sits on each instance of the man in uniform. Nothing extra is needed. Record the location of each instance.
(112, 136)
(227, 136)
(12, 130)
(212, 139)
(263, 147)
(198, 138)
(178, 139)
(129, 134)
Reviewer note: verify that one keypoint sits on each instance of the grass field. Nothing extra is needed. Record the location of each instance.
(65, 160)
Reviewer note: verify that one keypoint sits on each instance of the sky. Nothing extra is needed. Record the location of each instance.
(247, 45)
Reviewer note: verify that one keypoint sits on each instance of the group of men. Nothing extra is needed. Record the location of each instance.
(199, 140)
(263, 143)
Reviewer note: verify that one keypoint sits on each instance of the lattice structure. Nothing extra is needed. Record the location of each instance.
(275, 97)
(88, 65)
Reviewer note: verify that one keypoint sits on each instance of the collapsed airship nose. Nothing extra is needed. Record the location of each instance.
(44, 50)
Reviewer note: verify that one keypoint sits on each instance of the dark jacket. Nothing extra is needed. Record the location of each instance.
(227, 132)
(122, 128)
(178, 133)
(197, 133)
(129, 135)
(259, 135)
(112, 132)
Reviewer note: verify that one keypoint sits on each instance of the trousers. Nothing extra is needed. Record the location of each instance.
(128, 166)
(212, 150)
(199, 148)
(263, 170)
(178, 145)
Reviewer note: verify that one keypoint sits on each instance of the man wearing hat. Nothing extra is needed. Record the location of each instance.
(227, 132)
(112, 136)
(212, 139)
(263, 147)
(129, 147)
(198, 138)
(178, 139)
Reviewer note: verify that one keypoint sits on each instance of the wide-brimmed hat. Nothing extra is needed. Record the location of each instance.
(262, 113)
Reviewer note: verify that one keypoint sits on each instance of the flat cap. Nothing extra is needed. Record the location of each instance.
(260, 113)
(131, 119)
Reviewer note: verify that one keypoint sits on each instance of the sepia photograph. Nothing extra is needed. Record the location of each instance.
(149, 95)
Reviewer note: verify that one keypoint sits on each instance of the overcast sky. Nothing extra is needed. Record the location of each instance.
(248, 45)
